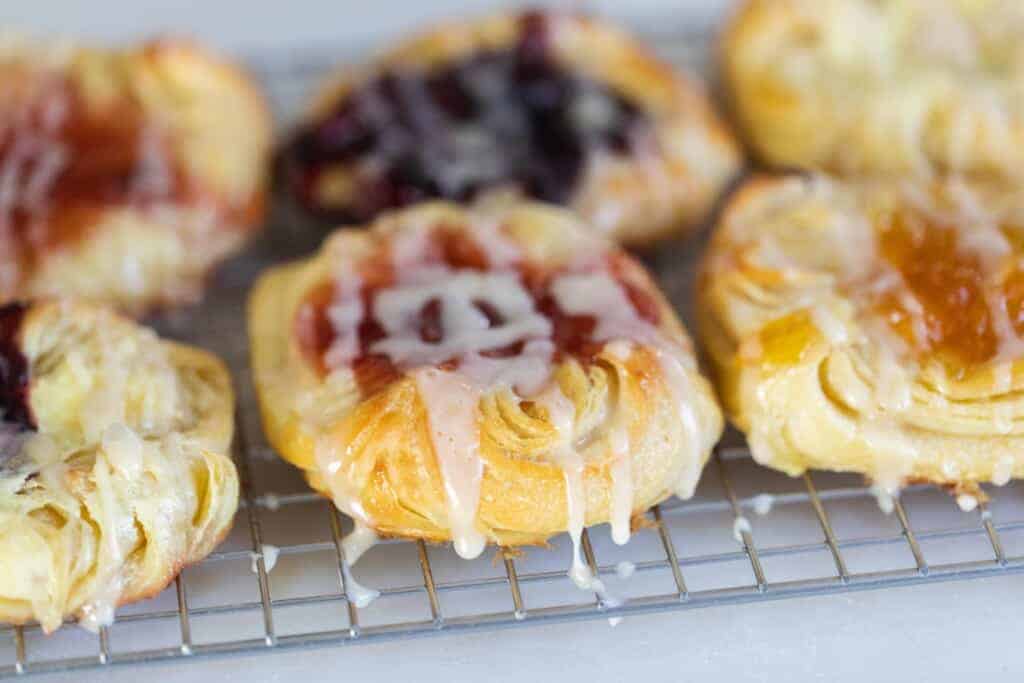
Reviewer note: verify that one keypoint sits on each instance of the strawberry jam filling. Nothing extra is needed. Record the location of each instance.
(65, 159)
(513, 117)
(571, 335)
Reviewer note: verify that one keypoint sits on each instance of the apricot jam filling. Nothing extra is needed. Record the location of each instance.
(964, 304)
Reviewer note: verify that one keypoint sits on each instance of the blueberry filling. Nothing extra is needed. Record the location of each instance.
(14, 407)
(512, 117)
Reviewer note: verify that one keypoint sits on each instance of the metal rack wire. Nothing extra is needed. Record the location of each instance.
(817, 535)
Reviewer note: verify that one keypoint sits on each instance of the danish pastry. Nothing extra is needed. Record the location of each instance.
(872, 327)
(881, 86)
(493, 374)
(124, 174)
(555, 107)
(113, 473)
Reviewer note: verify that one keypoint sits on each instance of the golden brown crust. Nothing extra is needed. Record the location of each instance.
(834, 351)
(126, 477)
(134, 171)
(635, 200)
(850, 86)
(386, 471)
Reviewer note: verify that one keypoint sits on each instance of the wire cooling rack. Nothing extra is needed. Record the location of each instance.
(748, 535)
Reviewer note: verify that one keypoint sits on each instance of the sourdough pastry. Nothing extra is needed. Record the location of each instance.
(113, 465)
(872, 327)
(486, 375)
(124, 174)
(555, 107)
(881, 86)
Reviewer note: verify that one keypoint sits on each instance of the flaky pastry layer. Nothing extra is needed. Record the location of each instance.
(124, 477)
(372, 451)
(871, 327)
(851, 86)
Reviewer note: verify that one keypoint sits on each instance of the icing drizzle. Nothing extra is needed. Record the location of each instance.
(484, 321)
(935, 282)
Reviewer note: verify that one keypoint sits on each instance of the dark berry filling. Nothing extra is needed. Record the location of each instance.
(513, 117)
(14, 407)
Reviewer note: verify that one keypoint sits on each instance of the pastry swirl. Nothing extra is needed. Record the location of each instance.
(496, 374)
(114, 471)
(555, 107)
(871, 327)
(855, 86)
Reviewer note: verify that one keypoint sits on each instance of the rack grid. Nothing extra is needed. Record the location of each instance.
(749, 534)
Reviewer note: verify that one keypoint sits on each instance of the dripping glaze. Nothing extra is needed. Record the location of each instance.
(466, 316)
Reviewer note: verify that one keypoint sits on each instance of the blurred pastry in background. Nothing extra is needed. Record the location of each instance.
(880, 86)
(873, 327)
(491, 375)
(551, 106)
(115, 471)
(125, 175)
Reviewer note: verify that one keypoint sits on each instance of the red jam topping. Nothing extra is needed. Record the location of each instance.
(63, 160)
(572, 334)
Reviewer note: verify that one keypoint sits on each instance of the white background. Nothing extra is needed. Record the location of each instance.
(942, 632)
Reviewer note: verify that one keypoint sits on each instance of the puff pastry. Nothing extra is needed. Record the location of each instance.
(497, 375)
(113, 466)
(881, 86)
(557, 107)
(124, 174)
(872, 327)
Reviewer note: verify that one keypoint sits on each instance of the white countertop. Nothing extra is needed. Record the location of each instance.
(946, 632)
(938, 632)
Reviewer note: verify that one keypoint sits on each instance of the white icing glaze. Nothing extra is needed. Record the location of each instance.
(454, 431)
(762, 503)
(967, 502)
(622, 483)
(598, 294)
(1002, 471)
(828, 324)
(123, 448)
(358, 541)
(562, 415)
(740, 525)
(500, 250)
(885, 496)
(465, 328)
(269, 553)
(353, 546)
(345, 313)
(98, 612)
(625, 569)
